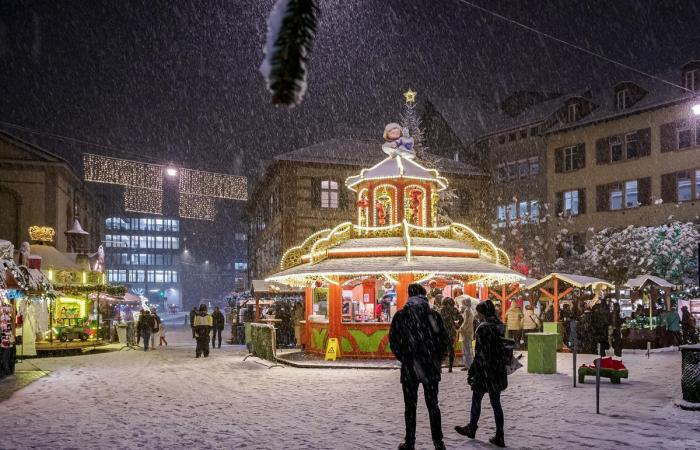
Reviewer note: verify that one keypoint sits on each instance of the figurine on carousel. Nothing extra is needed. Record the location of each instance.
(415, 204)
(381, 214)
(398, 142)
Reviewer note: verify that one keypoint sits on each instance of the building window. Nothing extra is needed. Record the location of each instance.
(534, 211)
(523, 133)
(697, 184)
(512, 171)
(512, 137)
(615, 196)
(623, 98)
(329, 194)
(240, 266)
(501, 173)
(241, 237)
(572, 158)
(684, 186)
(501, 216)
(573, 112)
(571, 203)
(523, 170)
(632, 145)
(512, 213)
(534, 131)
(534, 167)
(502, 139)
(684, 138)
(692, 80)
(631, 194)
(615, 149)
(523, 211)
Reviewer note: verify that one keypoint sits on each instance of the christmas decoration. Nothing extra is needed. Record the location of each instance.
(143, 200)
(103, 169)
(209, 184)
(197, 207)
(410, 96)
(291, 28)
(41, 234)
(411, 120)
(398, 141)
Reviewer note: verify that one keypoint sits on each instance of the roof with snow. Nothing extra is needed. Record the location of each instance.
(396, 167)
(579, 281)
(359, 152)
(641, 280)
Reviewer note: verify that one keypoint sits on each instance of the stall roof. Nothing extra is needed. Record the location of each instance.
(53, 259)
(643, 279)
(273, 287)
(579, 281)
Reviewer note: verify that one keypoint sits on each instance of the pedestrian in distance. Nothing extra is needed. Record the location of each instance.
(452, 320)
(600, 321)
(466, 330)
(419, 341)
(161, 335)
(145, 327)
(156, 328)
(487, 374)
(531, 323)
(193, 313)
(514, 323)
(218, 323)
(202, 327)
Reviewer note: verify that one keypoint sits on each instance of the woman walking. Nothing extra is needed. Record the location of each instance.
(487, 373)
(452, 320)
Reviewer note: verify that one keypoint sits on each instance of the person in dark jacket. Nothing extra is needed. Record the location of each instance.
(192, 314)
(202, 327)
(690, 333)
(144, 327)
(600, 324)
(487, 373)
(452, 320)
(616, 325)
(218, 323)
(419, 340)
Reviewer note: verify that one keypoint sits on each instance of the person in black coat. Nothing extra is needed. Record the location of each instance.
(418, 339)
(487, 373)
(219, 322)
(600, 324)
(192, 314)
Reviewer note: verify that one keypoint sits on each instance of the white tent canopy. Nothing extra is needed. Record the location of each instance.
(578, 281)
(641, 280)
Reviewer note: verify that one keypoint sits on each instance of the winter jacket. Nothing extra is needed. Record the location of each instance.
(488, 371)
(218, 320)
(146, 323)
(202, 324)
(192, 314)
(530, 320)
(467, 328)
(514, 318)
(451, 318)
(673, 321)
(600, 321)
(419, 340)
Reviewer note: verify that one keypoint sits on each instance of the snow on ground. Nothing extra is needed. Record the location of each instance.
(167, 398)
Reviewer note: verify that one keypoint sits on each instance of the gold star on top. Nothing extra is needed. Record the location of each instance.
(410, 96)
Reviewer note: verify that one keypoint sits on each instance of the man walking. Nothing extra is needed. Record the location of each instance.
(487, 373)
(419, 340)
(467, 327)
(145, 326)
(218, 322)
(202, 328)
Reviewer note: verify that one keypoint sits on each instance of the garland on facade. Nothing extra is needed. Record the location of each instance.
(116, 291)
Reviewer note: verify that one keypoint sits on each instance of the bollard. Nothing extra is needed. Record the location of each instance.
(648, 349)
(597, 382)
(572, 337)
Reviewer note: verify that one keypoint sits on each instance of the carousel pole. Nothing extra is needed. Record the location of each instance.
(504, 302)
(308, 310)
(556, 299)
(402, 289)
(335, 309)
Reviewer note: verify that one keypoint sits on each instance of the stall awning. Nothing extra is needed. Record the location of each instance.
(262, 287)
(641, 280)
(578, 281)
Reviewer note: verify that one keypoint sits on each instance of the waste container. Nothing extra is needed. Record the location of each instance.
(690, 376)
(542, 352)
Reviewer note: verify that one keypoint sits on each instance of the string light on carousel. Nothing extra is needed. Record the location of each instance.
(351, 270)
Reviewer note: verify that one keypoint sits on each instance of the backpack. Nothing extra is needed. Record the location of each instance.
(509, 360)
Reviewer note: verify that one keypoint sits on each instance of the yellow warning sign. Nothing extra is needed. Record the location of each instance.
(332, 349)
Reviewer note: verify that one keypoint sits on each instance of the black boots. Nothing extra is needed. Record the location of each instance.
(498, 440)
(406, 446)
(467, 431)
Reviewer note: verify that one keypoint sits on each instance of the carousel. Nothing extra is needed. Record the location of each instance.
(356, 275)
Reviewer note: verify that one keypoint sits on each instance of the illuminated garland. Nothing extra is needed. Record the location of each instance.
(211, 184)
(109, 289)
(197, 207)
(103, 169)
(41, 234)
(142, 200)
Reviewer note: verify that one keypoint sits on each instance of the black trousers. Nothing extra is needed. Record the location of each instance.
(203, 345)
(213, 337)
(410, 400)
(495, 398)
(193, 334)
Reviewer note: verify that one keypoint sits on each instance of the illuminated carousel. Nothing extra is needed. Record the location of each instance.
(356, 275)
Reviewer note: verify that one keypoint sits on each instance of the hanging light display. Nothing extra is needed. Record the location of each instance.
(211, 184)
(103, 169)
(142, 200)
(197, 207)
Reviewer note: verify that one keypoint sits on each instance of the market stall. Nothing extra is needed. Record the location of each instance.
(355, 273)
(650, 301)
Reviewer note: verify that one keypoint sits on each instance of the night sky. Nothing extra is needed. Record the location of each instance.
(178, 82)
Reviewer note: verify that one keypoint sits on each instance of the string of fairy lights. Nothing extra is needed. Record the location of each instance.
(143, 185)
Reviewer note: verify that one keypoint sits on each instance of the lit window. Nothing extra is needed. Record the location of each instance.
(240, 266)
(329, 194)
(684, 187)
(571, 203)
(615, 149)
(512, 171)
(684, 137)
(632, 145)
(631, 194)
(522, 210)
(501, 216)
(241, 237)
(534, 167)
(615, 197)
(512, 213)
(534, 211)
(523, 170)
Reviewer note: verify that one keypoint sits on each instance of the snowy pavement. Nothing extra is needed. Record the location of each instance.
(166, 398)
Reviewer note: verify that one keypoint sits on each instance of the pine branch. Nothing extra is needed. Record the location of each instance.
(291, 30)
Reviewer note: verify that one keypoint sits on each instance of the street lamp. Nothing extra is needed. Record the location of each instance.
(696, 109)
(171, 171)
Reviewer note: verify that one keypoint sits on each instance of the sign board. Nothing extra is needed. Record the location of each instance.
(332, 349)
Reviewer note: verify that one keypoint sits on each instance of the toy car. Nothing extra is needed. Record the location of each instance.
(72, 329)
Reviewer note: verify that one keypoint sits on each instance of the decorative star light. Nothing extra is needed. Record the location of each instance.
(410, 96)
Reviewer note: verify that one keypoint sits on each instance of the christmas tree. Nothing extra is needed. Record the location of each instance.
(411, 119)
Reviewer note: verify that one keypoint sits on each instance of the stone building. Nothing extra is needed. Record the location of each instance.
(40, 188)
(304, 191)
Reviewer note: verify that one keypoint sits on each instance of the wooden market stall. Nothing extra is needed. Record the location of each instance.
(356, 274)
(556, 286)
(505, 292)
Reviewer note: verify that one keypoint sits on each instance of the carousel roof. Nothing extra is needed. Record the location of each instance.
(397, 167)
(350, 250)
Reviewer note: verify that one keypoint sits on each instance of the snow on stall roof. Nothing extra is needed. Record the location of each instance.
(53, 259)
(364, 153)
(272, 287)
(579, 281)
(643, 279)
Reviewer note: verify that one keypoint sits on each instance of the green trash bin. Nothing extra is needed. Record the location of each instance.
(542, 352)
(555, 327)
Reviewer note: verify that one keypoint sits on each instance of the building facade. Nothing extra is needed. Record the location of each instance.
(40, 188)
(143, 253)
(304, 191)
